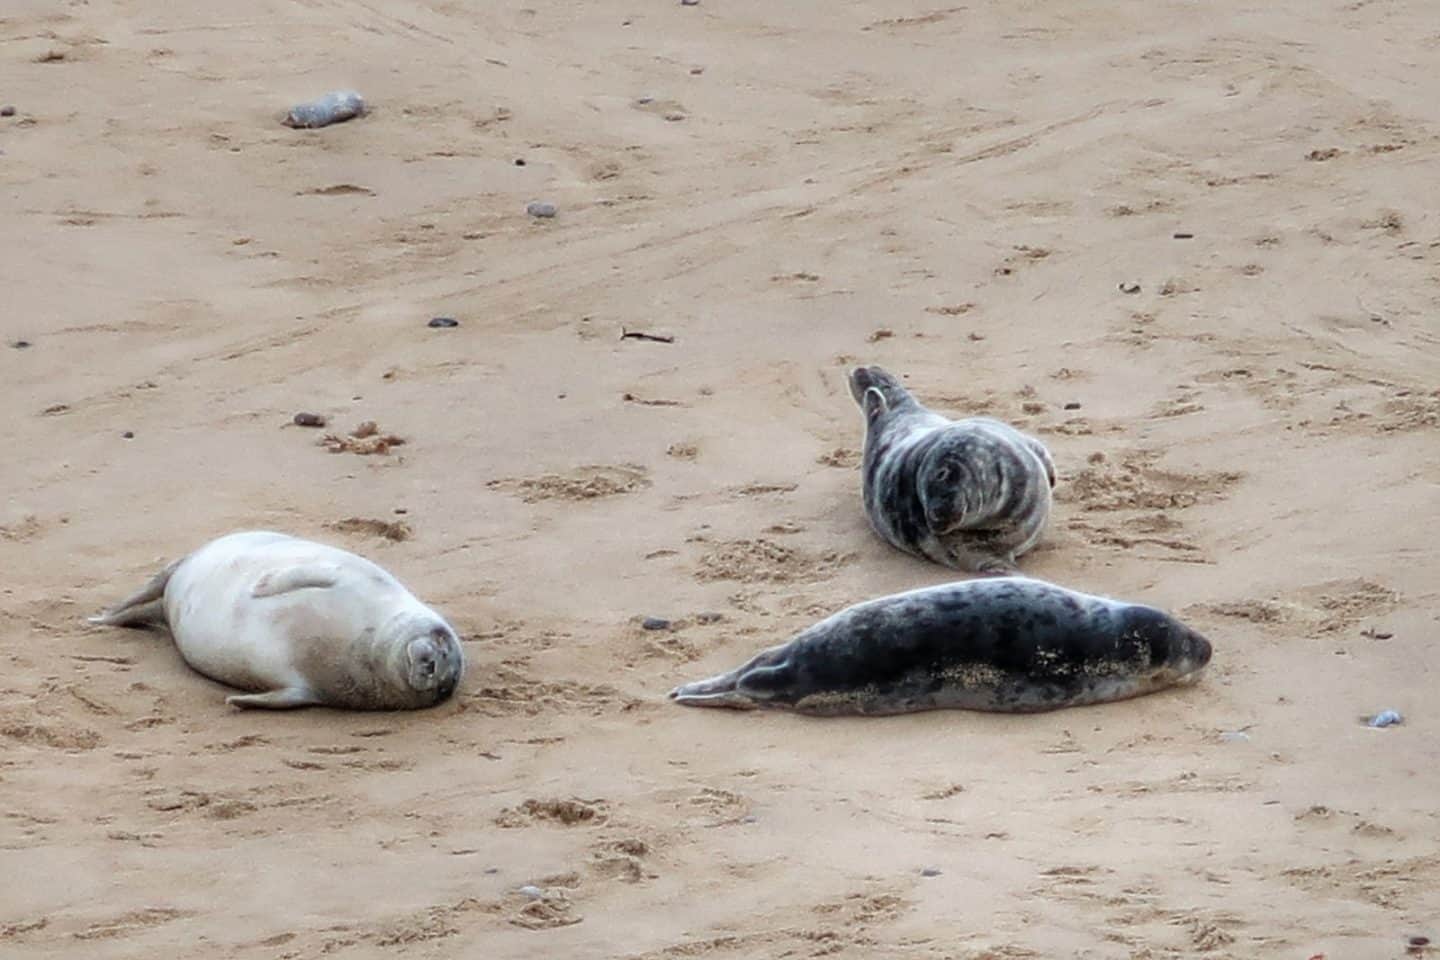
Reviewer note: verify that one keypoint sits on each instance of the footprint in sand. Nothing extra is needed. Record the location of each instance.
(582, 483)
(765, 561)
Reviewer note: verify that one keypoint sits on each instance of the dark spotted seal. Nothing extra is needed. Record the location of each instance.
(971, 494)
(1002, 644)
(298, 624)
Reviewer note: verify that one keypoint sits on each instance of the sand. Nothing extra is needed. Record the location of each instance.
(786, 189)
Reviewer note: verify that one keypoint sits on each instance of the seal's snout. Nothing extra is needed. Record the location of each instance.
(436, 662)
(1189, 653)
(1199, 650)
(860, 381)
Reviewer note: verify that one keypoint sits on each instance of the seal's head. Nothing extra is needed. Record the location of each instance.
(954, 481)
(1177, 653)
(877, 391)
(434, 662)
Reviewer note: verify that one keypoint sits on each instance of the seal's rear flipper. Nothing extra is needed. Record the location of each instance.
(716, 692)
(767, 680)
(146, 606)
(287, 699)
(320, 576)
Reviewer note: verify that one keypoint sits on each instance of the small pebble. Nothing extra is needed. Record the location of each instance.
(1235, 736)
(709, 617)
(334, 107)
(439, 322)
(1129, 286)
(1419, 941)
(7, 111)
(1184, 236)
(1072, 405)
(309, 420)
(531, 891)
(655, 623)
(689, 3)
(20, 344)
(519, 161)
(128, 434)
(538, 209)
(644, 100)
(1386, 718)
(930, 872)
(750, 819)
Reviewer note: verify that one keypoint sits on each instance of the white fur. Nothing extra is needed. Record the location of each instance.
(246, 610)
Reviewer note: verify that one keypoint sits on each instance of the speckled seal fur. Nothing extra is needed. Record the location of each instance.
(971, 494)
(1001, 644)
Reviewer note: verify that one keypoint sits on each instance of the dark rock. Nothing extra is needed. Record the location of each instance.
(443, 322)
(655, 623)
(309, 420)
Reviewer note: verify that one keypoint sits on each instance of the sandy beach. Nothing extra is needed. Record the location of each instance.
(1193, 247)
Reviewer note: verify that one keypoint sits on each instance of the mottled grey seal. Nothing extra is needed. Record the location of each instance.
(299, 624)
(1002, 644)
(971, 494)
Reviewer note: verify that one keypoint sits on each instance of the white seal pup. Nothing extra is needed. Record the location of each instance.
(1001, 644)
(299, 624)
(971, 494)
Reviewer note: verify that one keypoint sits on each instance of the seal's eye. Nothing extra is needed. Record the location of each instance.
(944, 474)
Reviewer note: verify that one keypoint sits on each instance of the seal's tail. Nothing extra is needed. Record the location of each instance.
(144, 607)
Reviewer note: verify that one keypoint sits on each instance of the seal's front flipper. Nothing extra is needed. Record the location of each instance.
(306, 576)
(997, 567)
(287, 698)
(144, 607)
